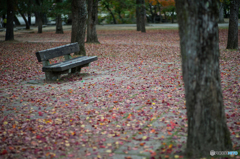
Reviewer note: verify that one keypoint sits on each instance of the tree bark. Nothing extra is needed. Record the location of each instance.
(138, 15)
(233, 25)
(29, 19)
(110, 11)
(39, 16)
(199, 41)
(39, 22)
(92, 21)
(221, 13)
(120, 17)
(36, 18)
(25, 20)
(59, 27)
(142, 14)
(79, 15)
(10, 16)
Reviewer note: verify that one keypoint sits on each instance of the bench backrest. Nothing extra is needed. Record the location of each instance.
(45, 55)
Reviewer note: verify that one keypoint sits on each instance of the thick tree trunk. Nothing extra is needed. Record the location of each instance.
(59, 27)
(198, 30)
(233, 25)
(10, 16)
(142, 14)
(138, 15)
(221, 13)
(79, 15)
(92, 21)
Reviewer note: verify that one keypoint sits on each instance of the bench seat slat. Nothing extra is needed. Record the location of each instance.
(62, 66)
(57, 51)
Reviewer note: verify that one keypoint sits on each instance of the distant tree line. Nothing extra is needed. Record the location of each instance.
(82, 12)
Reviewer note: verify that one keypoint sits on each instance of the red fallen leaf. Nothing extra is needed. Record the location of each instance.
(233, 115)
(38, 137)
(169, 151)
(70, 155)
(3, 152)
(115, 102)
(40, 113)
(102, 146)
(237, 123)
(227, 116)
(172, 124)
(128, 157)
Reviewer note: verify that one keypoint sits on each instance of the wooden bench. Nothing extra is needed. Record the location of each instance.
(70, 65)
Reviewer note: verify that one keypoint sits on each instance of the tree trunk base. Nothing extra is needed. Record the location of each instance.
(59, 32)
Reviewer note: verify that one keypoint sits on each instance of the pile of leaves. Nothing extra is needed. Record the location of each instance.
(130, 103)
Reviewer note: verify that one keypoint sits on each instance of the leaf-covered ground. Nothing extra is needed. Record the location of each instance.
(128, 104)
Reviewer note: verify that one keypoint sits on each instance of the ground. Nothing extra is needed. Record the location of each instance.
(128, 104)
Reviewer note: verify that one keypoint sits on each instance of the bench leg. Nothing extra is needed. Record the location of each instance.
(52, 76)
(76, 69)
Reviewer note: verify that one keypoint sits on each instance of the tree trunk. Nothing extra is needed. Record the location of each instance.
(233, 25)
(10, 16)
(29, 19)
(79, 15)
(92, 21)
(221, 13)
(198, 30)
(110, 11)
(138, 15)
(25, 20)
(39, 16)
(36, 19)
(39, 19)
(59, 28)
(120, 17)
(142, 14)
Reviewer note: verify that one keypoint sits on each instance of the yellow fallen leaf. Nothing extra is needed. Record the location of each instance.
(176, 156)
(108, 151)
(5, 122)
(67, 144)
(144, 137)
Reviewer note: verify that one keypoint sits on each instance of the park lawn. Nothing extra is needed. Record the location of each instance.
(130, 103)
